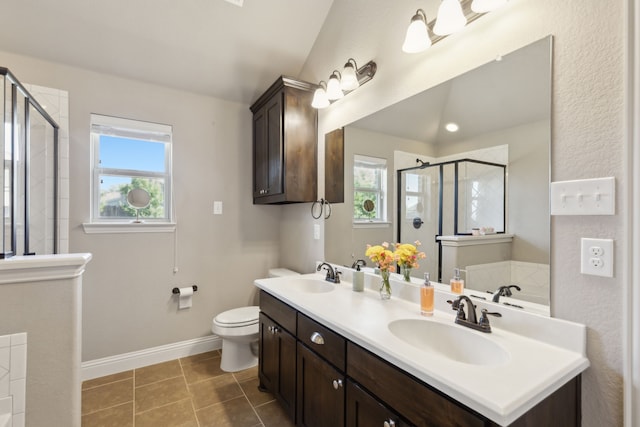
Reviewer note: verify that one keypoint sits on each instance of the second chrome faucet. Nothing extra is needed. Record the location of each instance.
(333, 275)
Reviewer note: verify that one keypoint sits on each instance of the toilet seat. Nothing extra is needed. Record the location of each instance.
(238, 317)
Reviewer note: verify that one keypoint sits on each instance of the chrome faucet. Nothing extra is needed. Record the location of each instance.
(333, 276)
(360, 262)
(470, 319)
(503, 291)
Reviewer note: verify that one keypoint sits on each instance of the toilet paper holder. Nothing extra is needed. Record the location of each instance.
(177, 290)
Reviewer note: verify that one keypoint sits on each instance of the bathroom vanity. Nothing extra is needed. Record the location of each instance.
(336, 357)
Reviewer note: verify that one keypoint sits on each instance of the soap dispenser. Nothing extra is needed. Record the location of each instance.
(358, 279)
(426, 297)
(457, 284)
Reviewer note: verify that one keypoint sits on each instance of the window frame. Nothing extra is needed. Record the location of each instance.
(380, 163)
(102, 125)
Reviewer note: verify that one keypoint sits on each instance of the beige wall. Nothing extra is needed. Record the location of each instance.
(127, 300)
(587, 135)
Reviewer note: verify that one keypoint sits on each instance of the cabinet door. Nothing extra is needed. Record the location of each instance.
(363, 410)
(277, 364)
(267, 146)
(260, 153)
(320, 391)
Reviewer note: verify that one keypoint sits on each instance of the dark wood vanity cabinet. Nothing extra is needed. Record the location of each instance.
(285, 144)
(277, 352)
(321, 391)
(323, 379)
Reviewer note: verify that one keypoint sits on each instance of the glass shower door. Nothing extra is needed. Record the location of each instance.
(419, 214)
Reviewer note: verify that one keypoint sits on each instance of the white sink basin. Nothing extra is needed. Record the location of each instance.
(451, 341)
(310, 285)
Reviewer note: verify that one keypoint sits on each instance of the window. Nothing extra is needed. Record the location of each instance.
(130, 154)
(369, 189)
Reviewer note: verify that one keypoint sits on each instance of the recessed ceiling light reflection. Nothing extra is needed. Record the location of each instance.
(452, 127)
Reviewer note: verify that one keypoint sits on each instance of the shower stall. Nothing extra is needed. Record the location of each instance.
(29, 179)
(451, 198)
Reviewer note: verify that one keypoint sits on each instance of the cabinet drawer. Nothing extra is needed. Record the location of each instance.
(323, 341)
(417, 402)
(278, 311)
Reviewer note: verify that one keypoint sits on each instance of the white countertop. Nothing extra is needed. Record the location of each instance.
(544, 353)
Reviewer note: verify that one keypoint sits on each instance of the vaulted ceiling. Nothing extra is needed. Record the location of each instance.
(204, 46)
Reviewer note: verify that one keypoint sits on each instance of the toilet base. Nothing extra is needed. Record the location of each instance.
(237, 356)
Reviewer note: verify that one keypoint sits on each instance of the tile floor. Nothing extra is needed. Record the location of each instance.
(186, 392)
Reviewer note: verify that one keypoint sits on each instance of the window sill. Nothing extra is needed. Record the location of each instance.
(372, 224)
(129, 227)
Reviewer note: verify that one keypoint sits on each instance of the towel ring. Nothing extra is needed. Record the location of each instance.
(318, 207)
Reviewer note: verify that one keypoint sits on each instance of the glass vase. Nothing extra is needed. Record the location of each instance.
(385, 287)
(406, 273)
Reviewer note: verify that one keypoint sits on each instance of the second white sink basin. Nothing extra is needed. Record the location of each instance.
(451, 341)
(310, 285)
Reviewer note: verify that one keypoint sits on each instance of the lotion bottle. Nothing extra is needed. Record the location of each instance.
(426, 297)
(358, 279)
(457, 284)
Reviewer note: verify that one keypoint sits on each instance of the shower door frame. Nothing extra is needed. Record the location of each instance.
(29, 101)
(441, 166)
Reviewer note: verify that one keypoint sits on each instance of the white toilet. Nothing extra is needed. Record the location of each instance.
(238, 329)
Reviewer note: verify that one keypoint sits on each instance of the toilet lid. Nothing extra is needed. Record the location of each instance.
(238, 316)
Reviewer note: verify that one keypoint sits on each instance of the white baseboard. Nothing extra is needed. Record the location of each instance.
(150, 356)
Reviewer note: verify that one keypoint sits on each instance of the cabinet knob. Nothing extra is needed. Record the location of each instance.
(389, 423)
(337, 384)
(273, 329)
(316, 338)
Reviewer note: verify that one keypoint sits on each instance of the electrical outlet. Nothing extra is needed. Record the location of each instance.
(597, 257)
(596, 262)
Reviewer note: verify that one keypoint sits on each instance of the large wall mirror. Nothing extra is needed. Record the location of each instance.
(476, 198)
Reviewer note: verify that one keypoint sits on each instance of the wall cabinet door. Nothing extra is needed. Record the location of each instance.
(321, 391)
(277, 367)
(267, 128)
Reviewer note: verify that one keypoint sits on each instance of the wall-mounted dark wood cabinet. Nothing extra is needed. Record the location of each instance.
(285, 144)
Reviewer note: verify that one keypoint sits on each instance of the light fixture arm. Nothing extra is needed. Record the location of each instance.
(366, 72)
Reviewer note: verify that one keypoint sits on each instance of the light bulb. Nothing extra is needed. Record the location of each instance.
(320, 99)
(333, 88)
(484, 6)
(349, 80)
(417, 38)
(450, 18)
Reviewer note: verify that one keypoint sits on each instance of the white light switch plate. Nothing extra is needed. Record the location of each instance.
(596, 257)
(583, 197)
(217, 208)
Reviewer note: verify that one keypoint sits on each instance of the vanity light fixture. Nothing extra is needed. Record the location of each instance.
(450, 18)
(417, 38)
(484, 6)
(320, 99)
(339, 84)
(453, 15)
(334, 91)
